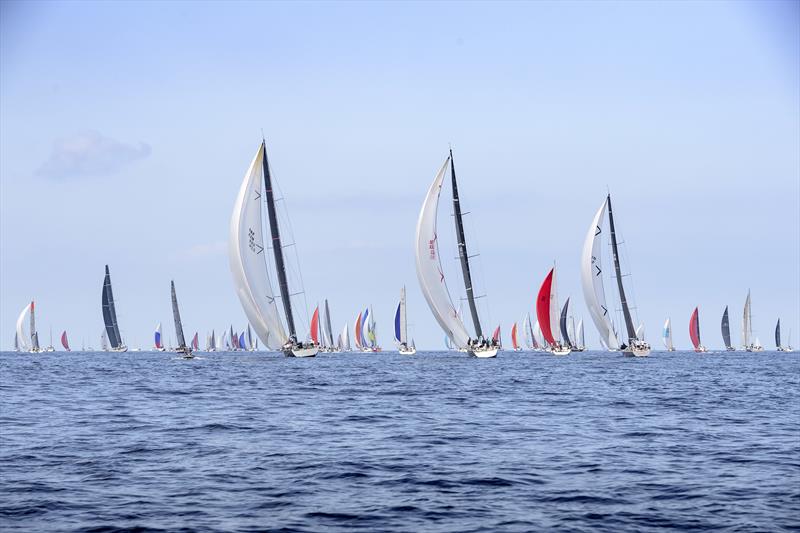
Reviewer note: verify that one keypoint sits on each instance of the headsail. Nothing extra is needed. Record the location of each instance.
(747, 326)
(563, 324)
(429, 266)
(694, 329)
(778, 334)
(544, 306)
(64, 341)
(157, 337)
(315, 326)
(400, 328)
(514, 342)
(22, 336)
(726, 329)
(592, 280)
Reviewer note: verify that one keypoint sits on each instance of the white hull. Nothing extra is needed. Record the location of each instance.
(295, 351)
(642, 350)
(407, 351)
(560, 351)
(120, 349)
(701, 349)
(483, 353)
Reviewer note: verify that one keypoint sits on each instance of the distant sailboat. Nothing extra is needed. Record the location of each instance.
(748, 343)
(248, 264)
(431, 274)
(158, 345)
(496, 338)
(104, 341)
(594, 293)
(778, 346)
(357, 338)
(28, 341)
(110, 316)
(327, 329)
(401, 327)
(514, 343)
(345, 346)
(581, 342)
(547, 313)
(64, 341)
(666, 336)
(694, 331)
(563, 326)
(726, 331)
(195, 343)
(185, 351)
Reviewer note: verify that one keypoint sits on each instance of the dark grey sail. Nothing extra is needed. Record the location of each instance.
(34, 333)
(564, 332)
(626, 312)
(177, 316)
(277, 248)
(726, 329)
(778, 334)
(462, 252)
(110, 313)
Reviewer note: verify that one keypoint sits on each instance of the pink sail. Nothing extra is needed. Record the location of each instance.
(694, 329)
(315, 326)
(514, 337)
(64, 341)
(496, 334)
(195, 343)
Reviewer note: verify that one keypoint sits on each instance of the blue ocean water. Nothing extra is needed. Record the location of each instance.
(382, 442)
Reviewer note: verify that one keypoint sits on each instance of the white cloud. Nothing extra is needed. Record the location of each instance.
(90, 154)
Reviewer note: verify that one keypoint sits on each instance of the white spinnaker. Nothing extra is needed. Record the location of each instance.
(667, 337)
(23, 337)
(429, 266)
(246, 252)
(640, 332)
(592, 280)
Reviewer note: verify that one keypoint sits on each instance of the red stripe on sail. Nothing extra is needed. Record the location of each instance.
(315, 326)
(694, 329)
(514, 337)
(543, 308)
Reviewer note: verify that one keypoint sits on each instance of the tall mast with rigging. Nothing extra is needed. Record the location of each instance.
(623, 301)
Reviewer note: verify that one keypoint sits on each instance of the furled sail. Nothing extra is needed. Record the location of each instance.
(246, 252)
(726, 329)
(694, 329)
(429, 266)
(592, 280)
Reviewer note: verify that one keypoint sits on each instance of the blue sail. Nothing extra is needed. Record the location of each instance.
(397, 324)
(242, 344)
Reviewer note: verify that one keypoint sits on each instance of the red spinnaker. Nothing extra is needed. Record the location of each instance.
(195, 343)
(64, 341)
(315, 326)
(694, 329)
(514, 336)
(543, 308)
(496, 334)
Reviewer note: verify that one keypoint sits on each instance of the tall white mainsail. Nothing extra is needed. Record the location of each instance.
(346, 338)
(667, 335)
(592, 280)
(429, 266)
(247, 259)
(747, 326)
(581, 342)
(23, 337)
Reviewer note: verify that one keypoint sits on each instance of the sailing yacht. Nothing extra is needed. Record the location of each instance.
(185, 351)
(158, 345)
(514, 343)
(594, 293)
(401, 327)
(726, 331)
(694, 331)
(666, 336)
(564, 326)
(247, 249)
(110, 316)
(581, 342)
(748, 343)
(547, 313)
(28, 342)
(431, 276)
(65, 341)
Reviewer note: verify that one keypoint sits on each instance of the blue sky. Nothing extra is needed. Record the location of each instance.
(126, 128)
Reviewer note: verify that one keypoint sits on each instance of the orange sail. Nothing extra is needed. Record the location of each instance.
(315, 326)
(514, 337)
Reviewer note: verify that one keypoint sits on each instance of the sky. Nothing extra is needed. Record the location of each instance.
(126, 129)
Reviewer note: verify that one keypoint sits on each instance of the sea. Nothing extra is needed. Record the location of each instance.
(436, 442)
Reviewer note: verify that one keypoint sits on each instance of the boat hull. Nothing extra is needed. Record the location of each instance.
(483, 353)
(561, 351)
(296, 351)
(407, 351)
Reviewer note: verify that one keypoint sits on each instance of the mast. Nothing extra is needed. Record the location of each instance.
(177, 316)
(462, 251)
(623, 301)
(277, 249)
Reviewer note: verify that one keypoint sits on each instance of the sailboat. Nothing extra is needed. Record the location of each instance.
(158, 345)
(28, 342)
(110, 316)
(748, 343)
(401, 327)
(514, 343)
(666, 336)
(431, 275)
(547, 313)
(195, 343)
(64, 341)
(694, 331)
(248, 263)
(580, 342)
(496, 338)
(327, 329)
(726, 331)
(16, 342)
(185, 351)
(594, 293)
(778, 346)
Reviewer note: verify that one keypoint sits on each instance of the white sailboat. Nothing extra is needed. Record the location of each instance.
(401, 327)
(581, 342)
(593, 290)
(28, 341)
(247, 249)
(547, 313)
(748, 342)
(431, 275)
(666, 336)
(183, 349)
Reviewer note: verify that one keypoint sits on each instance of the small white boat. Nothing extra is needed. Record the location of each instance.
(560, 350)
(183, 350)
(483, 352)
